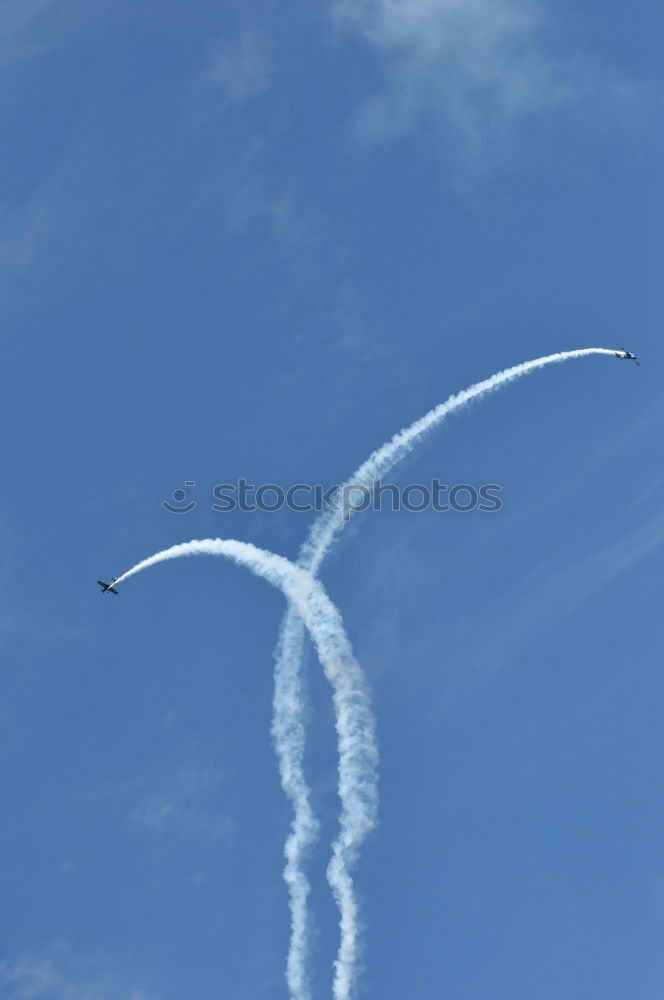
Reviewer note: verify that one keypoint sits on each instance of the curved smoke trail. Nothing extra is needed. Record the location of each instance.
(288, 724)
(358, 755)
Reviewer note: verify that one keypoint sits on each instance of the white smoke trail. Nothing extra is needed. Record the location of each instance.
(322, 533)
(288, 725)
(289, 739)
(358, 755)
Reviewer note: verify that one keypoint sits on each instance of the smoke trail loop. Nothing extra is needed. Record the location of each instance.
(288, 725)
(358, 754)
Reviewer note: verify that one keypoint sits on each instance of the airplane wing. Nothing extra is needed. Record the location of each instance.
(113, 590)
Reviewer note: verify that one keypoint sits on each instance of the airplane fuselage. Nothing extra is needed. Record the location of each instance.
(624, 355)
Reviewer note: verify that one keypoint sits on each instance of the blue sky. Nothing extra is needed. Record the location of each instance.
(251, 241)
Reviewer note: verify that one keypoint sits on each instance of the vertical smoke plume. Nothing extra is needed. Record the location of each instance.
(288, 724)
(358, 755)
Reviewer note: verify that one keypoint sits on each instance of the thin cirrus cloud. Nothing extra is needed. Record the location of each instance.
(61, 976)
(238, 69)
(22, 28)
(179, 809)
(177, 800)
(29, 28)
(481, 66)
(24, 232)
(551, 593)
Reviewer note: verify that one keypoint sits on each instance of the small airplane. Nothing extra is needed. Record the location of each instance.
(108, 588)
(626, 355)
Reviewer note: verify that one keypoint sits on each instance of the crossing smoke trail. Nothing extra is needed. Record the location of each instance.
(288, 724)
(358, 755)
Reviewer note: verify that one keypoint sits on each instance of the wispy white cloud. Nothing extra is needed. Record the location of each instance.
(29, 220)
(24, 232)
(181, 807)
(238, 69)
(29, 28)
(554, 590)
(480, 66)
(177, 799)
(22, 28)
(62, 977)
